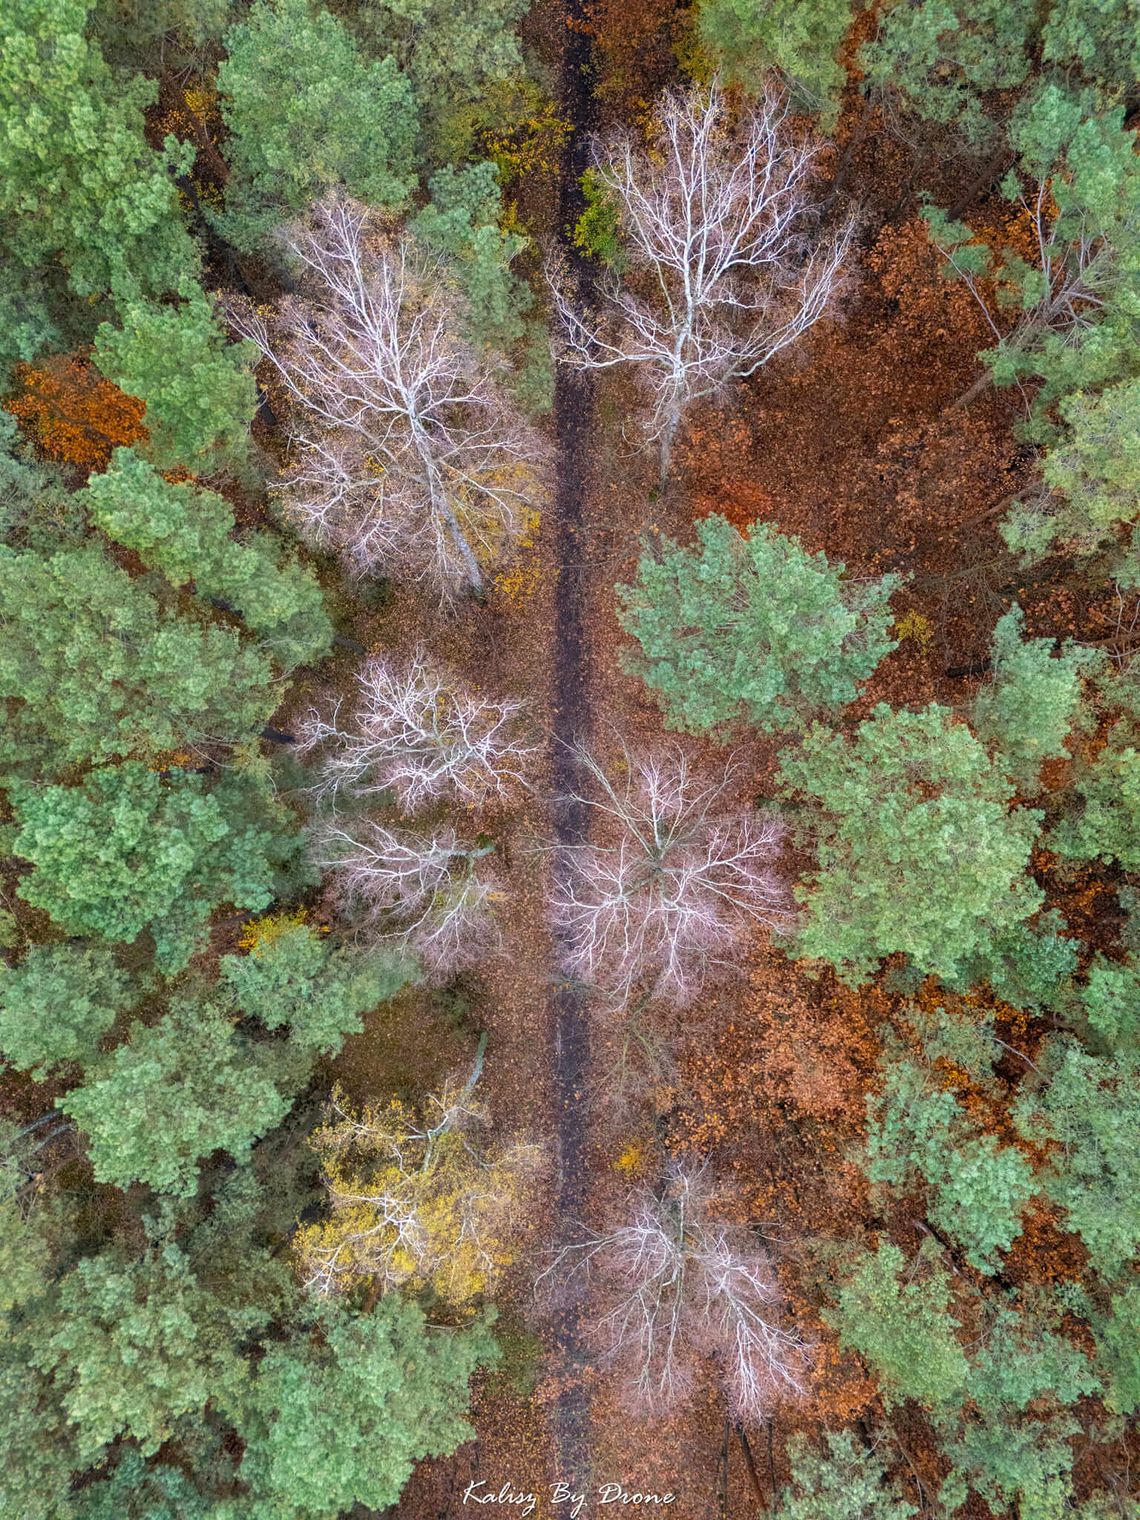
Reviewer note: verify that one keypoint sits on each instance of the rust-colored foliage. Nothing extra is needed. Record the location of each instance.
(840, 1388)
(636, 45)
(1043, 1252)
(779, 1098)
(73, 414)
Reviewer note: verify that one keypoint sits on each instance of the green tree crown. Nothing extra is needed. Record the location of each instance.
(59, 1002)
(175, 1092)
(199, 390)
(1033, 700)
(903, 1329)
(750, 629)
(96, 667)
(919, 852)
(185, 533)
(130, 850)
(296, 978)
(305, 111)
(1090, 1107)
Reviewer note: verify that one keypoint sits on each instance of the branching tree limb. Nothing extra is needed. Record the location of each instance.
(1074, 279)
(664, 894)
(417, 1197)
(416, 732)
(677, 1284)
(406, 457)
(726, 267)
(429, 892)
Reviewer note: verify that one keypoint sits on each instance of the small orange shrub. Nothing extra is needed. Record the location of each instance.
(73, 414)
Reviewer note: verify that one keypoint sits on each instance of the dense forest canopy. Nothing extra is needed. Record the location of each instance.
(570, 762)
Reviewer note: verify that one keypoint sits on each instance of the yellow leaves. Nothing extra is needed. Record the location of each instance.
(918, 629)
(194, 108)
(414, 1200)
(631, 1162)
(530, 145)
(259, 933)
(520, 580)
(511, 223)
(170, 760)
(202, 99)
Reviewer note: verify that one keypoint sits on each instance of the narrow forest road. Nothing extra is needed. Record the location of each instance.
(574, 427)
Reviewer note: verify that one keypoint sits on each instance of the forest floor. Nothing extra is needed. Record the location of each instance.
(857, 447)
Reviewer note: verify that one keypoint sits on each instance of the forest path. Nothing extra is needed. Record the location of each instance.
(574, 423)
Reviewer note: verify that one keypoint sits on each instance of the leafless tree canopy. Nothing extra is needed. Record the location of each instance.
(675, 1284)
(416, 732)
(429, 891)
(406, 457)
(726, 264)
(674, 875)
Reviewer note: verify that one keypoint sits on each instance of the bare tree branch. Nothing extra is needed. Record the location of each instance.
(1079, 273)
(429, 892)
(662, 897)
(415, 732)
(679, 1284)
(726, 268)
(417, 1197)
(406, 458)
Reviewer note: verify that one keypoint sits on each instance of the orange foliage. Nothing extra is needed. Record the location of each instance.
(839, 1388)
(635, 46)
(73, 413)
(724, 445)
(777, 1104)
(817, 1040)
(780, 1099)
(1044, 1253)
(927, 308)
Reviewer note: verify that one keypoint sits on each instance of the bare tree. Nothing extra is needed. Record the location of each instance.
(405, 455)
(677, 1284)
(663, 893)
(726, 267)
(416, 732)
(417, 1196)
(427, 891)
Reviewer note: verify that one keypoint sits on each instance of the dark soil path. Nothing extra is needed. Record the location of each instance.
(574, 428)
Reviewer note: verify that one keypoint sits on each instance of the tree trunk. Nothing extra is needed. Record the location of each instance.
(995, 166)
(981, 384)
(749, 1464)
(722, 1472)
(466, 554)
(847, 157)
(665, 453)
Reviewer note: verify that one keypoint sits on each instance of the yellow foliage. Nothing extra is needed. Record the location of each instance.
(520, 580)
(631, 1162)
(258, 933)
(170, 760)
(202, 100)
(526, 135)
(912, 625)
(414, 1200)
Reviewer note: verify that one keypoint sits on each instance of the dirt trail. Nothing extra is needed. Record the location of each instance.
(574, 428)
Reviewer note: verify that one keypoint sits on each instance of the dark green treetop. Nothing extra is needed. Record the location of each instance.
(129, 850)
(306, 110)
